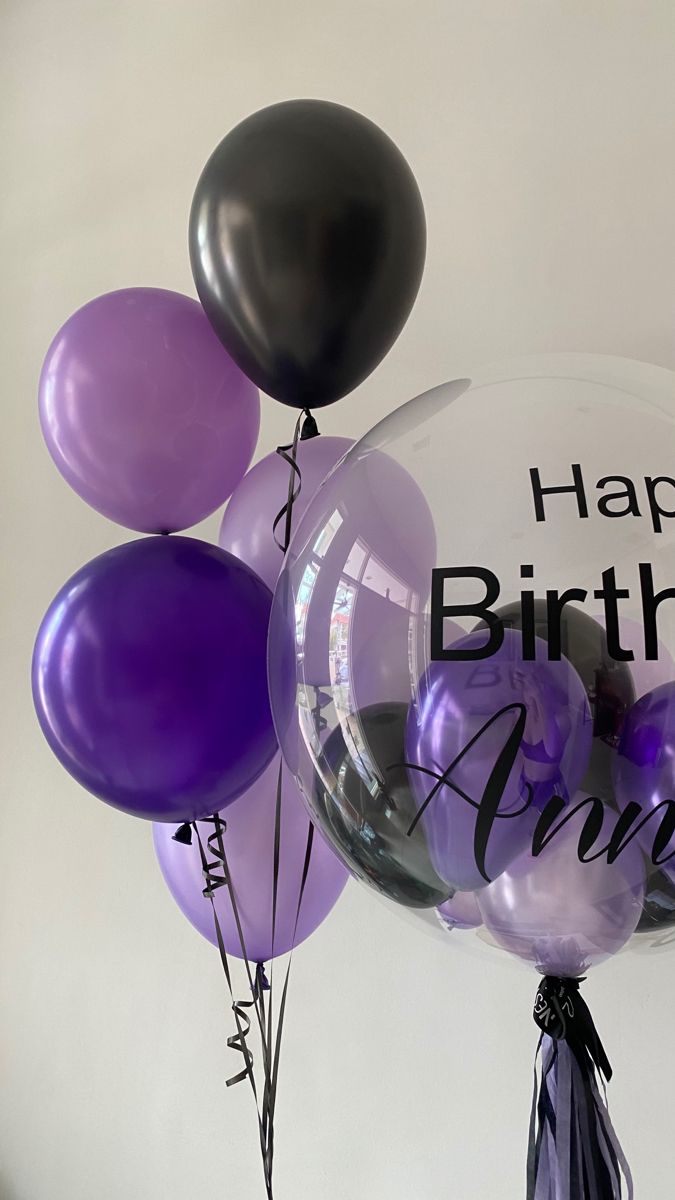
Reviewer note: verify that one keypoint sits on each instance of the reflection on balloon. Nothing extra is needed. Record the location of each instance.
(247, 526)
(377, 654)
(362, 577)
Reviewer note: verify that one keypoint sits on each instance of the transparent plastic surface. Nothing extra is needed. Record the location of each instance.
(472, 655)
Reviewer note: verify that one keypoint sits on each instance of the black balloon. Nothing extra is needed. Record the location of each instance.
(608, 683)
(307, 244)
(366, 817)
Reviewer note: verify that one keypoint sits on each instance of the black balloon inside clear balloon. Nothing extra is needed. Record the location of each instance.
(307, 244)
(608, 682)
(363, 804)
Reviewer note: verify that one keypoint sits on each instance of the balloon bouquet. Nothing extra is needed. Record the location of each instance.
(482, 590)
(470, 667)
(307, 241)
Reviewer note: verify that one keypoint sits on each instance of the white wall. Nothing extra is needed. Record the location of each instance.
(543, 136)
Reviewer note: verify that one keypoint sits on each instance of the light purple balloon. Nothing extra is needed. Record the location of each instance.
(361, 563)
(246, 528)
(458, 701)
(461, 911)
(249, 846)
(143, 411)
(560, 914)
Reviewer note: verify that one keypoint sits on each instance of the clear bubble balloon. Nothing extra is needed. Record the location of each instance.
(488, 576)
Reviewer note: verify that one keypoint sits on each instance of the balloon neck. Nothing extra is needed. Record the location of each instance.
(261, 982)
(183, 834)
(310, 429)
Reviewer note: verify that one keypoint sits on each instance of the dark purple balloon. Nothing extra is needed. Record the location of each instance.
(249, 846)
(644, 769)
(246, 528)
(149, 678)
(459, 699)
(143, 411)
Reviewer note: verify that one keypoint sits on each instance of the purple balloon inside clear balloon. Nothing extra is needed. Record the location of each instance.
(561, 914)
(370, 563)
(143, 411)
(246, 528)
(249, 845)
(465, 753)
(461, 911)
(644, 772)
(149, 678)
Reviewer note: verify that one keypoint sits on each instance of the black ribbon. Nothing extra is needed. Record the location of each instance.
(305, 428)
(216, 874)
(573, 1151)
(561, 1011)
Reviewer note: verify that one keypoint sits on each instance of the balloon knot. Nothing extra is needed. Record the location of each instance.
(183, 834)
(310, 429)
(261, 983)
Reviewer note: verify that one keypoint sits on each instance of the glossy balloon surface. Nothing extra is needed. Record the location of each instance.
(307, 244)
(248, 842)
(246, 529)
(144, 413)
(149, 678)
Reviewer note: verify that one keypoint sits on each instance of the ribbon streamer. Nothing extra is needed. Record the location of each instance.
(305, 428)
(216, 874)
(573, 1151)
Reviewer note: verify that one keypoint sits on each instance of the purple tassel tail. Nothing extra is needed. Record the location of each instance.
(573, 1152)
